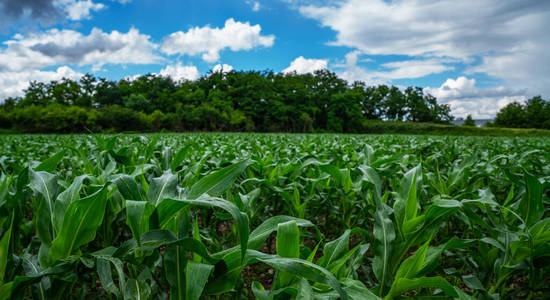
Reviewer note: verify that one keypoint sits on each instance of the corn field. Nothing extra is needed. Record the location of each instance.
(274, 216)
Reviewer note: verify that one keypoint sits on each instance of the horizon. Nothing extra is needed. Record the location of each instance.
(476, 56)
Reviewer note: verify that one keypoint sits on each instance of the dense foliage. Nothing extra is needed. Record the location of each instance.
(233, 216)
(535, 113)
(219, 101)
(469, 121)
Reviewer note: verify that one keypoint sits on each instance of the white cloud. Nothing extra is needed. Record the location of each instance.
(465, 98)
(412, 69)
(179, 72)
(12, 84)
(209, 41)
(254, 5)
(509, 37)
(303, 65)
(55, 47)
(408, 69)
(23, 57)
(222, 68)
(79, 10)
(48, 12)
(429, 27)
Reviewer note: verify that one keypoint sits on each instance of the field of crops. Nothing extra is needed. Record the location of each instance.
(273, 216)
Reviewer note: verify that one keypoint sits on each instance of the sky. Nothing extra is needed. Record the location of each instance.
(475, 55)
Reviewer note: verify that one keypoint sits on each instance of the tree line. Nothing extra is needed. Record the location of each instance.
(534, 113)
(262, 101)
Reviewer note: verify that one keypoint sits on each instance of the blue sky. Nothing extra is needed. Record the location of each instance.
(476, 55)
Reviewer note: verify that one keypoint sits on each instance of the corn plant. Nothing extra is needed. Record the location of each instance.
(273, 216)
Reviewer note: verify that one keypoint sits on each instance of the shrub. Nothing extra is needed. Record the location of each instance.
(123, 119)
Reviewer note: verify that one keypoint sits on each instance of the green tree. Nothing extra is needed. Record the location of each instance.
(537, 112)
(512, 115)
(469, 121)
(137, 102)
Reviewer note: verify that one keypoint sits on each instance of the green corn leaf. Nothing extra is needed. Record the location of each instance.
(531, 208)
(166, 158)
(260, 293)
(80, 223)
(51, 162)
(287, 245)
(259, 235)
(409, 186)
(370, 175)
(335, 249)
(300, 267)
(334, 171)
(157, 238)
(162, 187)
(6, 291)
(305, 291)
(137, 217)
(403, 285)
(31, 267)
(195, 282)
(179, 157)
(106, 278)
(356, 290)
(218, 182)
(406, 203)
(72, 193)
(137, 290)
(128, 188)
(384, 236)
(167, 210)
(5, 251)
(288, 240)
(413, 264)
(241, 219)
(45, 184)
(175, 264)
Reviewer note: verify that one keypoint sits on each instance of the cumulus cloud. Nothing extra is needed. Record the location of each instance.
(222, 68)
(482, 103)
(48, 11)
(43, 10)
(79, 10)
(12, 84)
(179, 72)
(442, 28)
(303, 65)
(23, 56)
(505, 35)
(55, 47)
(210, 41)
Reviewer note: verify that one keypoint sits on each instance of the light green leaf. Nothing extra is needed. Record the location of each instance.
(195, 282)
(403, 285)
(128, 188)
(218, 182)
(137, 217)
(531, 208)
(162, 187)
(384, 236)
(80, 224)
(287, 245)
(51, 162)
